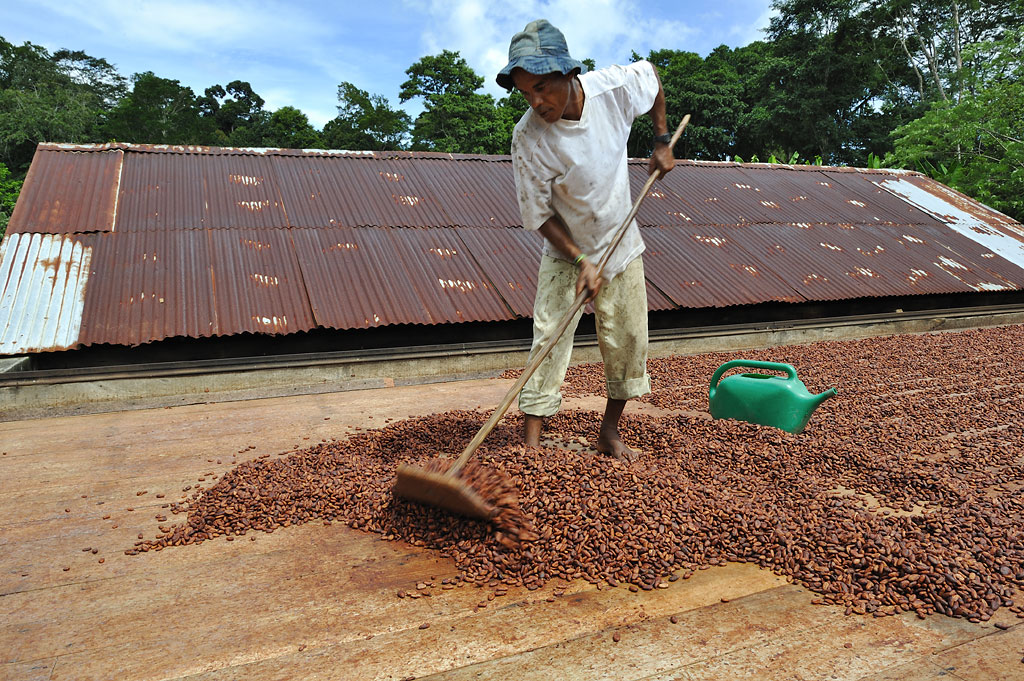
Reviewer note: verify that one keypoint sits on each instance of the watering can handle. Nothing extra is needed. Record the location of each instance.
(754, 364)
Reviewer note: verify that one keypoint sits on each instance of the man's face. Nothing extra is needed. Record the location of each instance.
(547, 94)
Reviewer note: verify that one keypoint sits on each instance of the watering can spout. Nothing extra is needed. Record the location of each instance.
(816, 400)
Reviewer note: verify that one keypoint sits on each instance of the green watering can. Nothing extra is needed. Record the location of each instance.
(782, 402)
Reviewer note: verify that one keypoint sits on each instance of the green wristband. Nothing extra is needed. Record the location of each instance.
(579, 258)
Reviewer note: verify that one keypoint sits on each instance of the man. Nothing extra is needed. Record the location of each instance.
(569, 159)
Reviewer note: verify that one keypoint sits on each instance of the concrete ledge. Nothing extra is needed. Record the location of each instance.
(8, 364)
(28, 401)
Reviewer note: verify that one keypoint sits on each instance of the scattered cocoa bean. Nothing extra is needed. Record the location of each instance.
(903, 493)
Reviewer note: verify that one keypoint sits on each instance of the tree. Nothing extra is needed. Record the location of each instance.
(708, 89)
(456, 118)
(289, 128)
(236, 111)
(932, 36)
(61, 97)
(976, 145)
(9, 190)
(365, 122)
(823, 77)
(159, 111)
(508, 111)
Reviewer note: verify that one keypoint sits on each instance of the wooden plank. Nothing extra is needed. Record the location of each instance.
(923, 669)
(457, 633)
(310, 585)
(996, 657)
(769, 635)
(30, 671)
(821, 652)
(282, 575)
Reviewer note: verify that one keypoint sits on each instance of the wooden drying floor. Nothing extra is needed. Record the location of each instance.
(318, 602)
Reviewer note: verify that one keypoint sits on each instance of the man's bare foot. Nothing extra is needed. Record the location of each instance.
(531, 430)
(612, 445)
(608, 441)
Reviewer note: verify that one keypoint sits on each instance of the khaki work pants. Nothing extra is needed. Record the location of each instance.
(620, 312)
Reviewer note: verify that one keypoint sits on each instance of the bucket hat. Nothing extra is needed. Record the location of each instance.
(539, 48)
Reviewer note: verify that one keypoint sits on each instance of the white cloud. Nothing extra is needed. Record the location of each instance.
(604, 30)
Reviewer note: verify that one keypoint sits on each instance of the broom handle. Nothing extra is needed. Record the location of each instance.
(563, 324)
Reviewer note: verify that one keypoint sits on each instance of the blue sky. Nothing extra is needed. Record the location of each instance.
(296, 53)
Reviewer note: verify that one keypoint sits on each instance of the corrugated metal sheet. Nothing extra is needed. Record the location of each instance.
(42, 291)
(992, 230)
(321, 192)
(193, 191)
(706, 266)
(445, 277)
(149, 285)
(508, 258)
(257, 285)
(829, 262)
(353, 280)
(80, 195)
(373, 276)
(203, 241)
(472, 193)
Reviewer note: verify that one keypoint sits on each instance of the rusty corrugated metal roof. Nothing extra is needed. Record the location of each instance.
(161, 241)
(709, 266)
(80, 196)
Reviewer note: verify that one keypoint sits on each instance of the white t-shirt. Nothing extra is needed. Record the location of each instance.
(577, 169)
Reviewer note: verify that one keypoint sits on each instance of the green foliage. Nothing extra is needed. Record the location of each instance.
(821, 80)
(834, 79)
(289, 128)
(443, 74)
(236, 112)
(977, 144)
(159, 111)
(61, 97)
(456, 118)
(708, 89)
(365, 122)
(509, 110)
(9, 190)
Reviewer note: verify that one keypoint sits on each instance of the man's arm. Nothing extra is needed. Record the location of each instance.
(554, 230)
(662, 158)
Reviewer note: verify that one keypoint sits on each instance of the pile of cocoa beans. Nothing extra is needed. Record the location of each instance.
(904, 493)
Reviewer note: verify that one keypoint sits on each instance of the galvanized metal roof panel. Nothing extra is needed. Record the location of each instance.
(831, 262)
(194, 191)
(471, 193)
(257, 284)
(971, 263)
(361, 277)
(993, 230)
(716, 195)
(146, 286)
(43, 281)
(202, 241)
(869, 204)
(446, 278)
(78, 193)
(705, 266)
(354, 280)
(509, 259)
(320, 191)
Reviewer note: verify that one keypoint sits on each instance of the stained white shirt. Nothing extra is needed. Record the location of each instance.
(577, 169)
